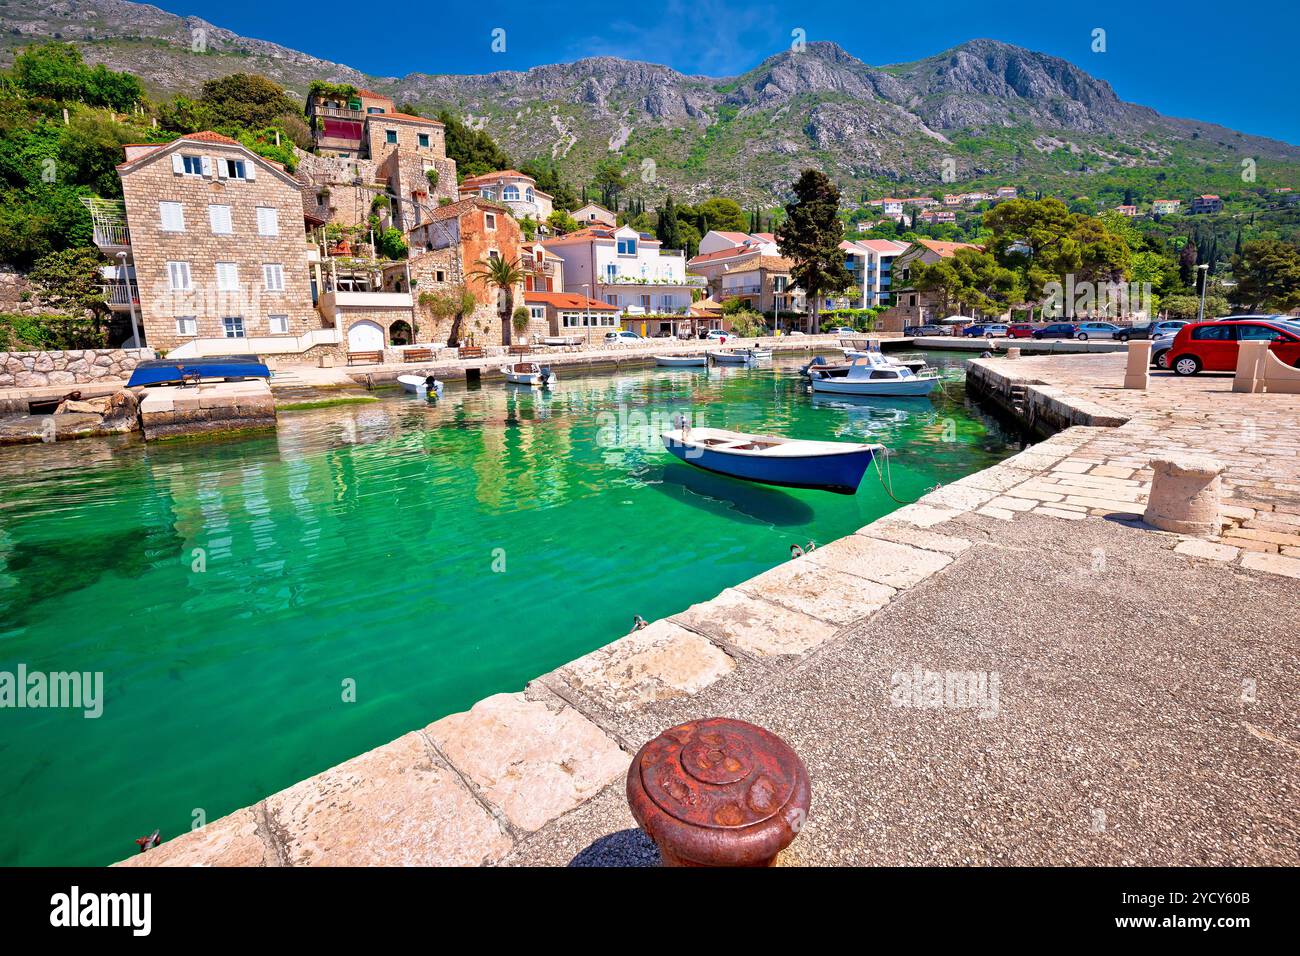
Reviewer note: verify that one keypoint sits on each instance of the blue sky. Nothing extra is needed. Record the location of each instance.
(1228, 64)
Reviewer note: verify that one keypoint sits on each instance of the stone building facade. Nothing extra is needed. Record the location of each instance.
(218, 242)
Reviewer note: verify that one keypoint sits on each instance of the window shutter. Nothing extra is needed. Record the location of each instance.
(207, 166)
(221, 168)
(250, 170)
(178, 164)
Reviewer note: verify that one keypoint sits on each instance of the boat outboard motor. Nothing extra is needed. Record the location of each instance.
(545, 372)
(817, 360)
(433, 386)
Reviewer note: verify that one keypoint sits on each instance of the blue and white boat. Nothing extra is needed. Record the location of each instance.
(771, 460)
(682, 361)
(872, 374)
(182, 371)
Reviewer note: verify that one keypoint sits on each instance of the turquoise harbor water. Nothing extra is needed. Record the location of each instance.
(431, 554)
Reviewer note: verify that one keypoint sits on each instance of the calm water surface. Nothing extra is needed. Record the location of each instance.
(359, 543)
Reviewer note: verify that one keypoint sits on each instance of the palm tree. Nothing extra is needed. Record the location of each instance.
(503, 275)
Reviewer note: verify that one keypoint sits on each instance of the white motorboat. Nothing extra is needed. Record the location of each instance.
(682, 361)
(913, 360)
(421, 385)
(873, 374)
(739, 356)
(528, 373)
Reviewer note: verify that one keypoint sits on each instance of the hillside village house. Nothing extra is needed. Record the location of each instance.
(570, 315)
(1165, 207)
(448, 248)
(514, 190)
(338, 121)
(1206, 204)
(543, 271)
(1129, 211)
(594, 214)
(912, 306)
(722, 251)
(215, 244)
(763, 284)
(625, 269)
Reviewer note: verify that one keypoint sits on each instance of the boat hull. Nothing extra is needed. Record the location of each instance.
(847, 386)
(682, 361)
(839, 473)
(175, 371)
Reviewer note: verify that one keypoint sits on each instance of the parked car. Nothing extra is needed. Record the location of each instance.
(1057, 330)
(623, 335)
(986, 330)
(1160, 350)
(915, 330)
(1152, 330)
(1275, 317)
(1213, 346)
(844, 330)
(714, 335)
(1020, 330)
(1096, 330)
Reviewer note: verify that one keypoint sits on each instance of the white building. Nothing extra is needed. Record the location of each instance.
(870, 262)
(514, 190)
(626, 269)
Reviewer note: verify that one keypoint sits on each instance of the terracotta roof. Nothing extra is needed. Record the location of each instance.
(583, 235)
(454, 210)
(886, 246)
(373, 95)
(206, 136)
(770, 263)
(568, 300)
(946, 249)
(724, 254)
(503, 174)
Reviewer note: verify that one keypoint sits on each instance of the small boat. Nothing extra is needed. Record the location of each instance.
(528, 373)
(873, 374)
(182, 371)
(770, 460)
(913, 360)
(739, 356)
(682, 361)
(421, 385)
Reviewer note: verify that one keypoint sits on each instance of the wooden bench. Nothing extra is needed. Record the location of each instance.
(470, 351)
(417, 355)
(365, 358)
(520, 349)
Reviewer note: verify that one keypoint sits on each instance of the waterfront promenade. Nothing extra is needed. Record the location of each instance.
(1140, 689)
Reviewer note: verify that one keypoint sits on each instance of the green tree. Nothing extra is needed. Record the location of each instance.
(972, 278)
(70, 282)
(723, 214)
(501, 274)
(811, 236)
(1268, 275)
(561, 222)
(610, 181)
(55, 71)
(667, 228)
(244, 101)
(454, 304)
(474, 151)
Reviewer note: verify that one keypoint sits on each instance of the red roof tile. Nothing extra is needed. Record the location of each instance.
(568, 300)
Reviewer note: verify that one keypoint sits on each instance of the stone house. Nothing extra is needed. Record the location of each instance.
(594, 214)
(451, 245)
(514, 190)
(215, 243)
(338, 122)
(764, 285)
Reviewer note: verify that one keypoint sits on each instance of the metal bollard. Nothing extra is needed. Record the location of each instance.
(1185, 495)
(719, 792)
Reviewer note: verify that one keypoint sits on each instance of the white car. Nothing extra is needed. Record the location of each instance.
(623, 335)
(713, 335)
(844, 330)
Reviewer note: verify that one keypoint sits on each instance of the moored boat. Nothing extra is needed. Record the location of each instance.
(421, 385)
(739, 356)
(873, 374)
(681, 361)
(528, 373)
(181, 371)
(913, 360)
(772, 460)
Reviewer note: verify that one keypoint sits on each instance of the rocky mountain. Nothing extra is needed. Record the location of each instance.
(982, 112)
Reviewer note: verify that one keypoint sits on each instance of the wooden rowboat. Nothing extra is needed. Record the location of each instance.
(772, 460)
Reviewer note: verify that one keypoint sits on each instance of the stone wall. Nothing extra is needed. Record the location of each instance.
(172, 411)
(73, 367)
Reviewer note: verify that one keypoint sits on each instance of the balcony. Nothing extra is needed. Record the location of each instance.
(121, 296)
(108, 224)
(337, 112)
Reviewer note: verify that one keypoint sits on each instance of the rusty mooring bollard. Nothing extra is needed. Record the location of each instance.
(719, 792)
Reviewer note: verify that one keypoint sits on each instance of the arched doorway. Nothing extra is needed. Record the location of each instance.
(365, 336)
(399, 333)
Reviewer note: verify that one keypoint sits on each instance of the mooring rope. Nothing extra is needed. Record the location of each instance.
(888, 482)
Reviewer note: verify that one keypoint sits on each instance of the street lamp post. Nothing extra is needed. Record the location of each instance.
(586, 311)
(1205, 280)
(130, 299)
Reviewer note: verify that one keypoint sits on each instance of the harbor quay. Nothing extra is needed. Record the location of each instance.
(1015, 669)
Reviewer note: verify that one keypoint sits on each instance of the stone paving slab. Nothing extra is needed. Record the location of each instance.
(233, 840)
(814, 588)
(533, 759)
(754, 625)
(879, 560)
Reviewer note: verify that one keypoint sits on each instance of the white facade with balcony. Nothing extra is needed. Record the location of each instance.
(627, 270)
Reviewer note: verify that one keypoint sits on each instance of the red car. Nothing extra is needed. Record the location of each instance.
(1021, 330)
(1212, 346)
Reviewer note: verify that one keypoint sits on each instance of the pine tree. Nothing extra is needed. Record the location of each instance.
(811, 236)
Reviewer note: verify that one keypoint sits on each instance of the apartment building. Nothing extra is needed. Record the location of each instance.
(213, 243)
(626, 269)
(870, 262)
(1206, 204)
(722, 251)
(764, 284)
(937, 216)
(910, 306)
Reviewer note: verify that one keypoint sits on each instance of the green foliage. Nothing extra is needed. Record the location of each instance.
(55, 71)
(1268, 275)
(811, 236)
(519, 319)
(474, 151)
(431, 175)
(562, 223)
(1186, 306)
(36, 333)
(70, 281)
(245, 101)
(339, 91)
(973, 278)
(746, 323)
(609, 179)
(546, 171)
(390, 244)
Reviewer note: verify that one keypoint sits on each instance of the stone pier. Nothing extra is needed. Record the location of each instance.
(171, 411)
